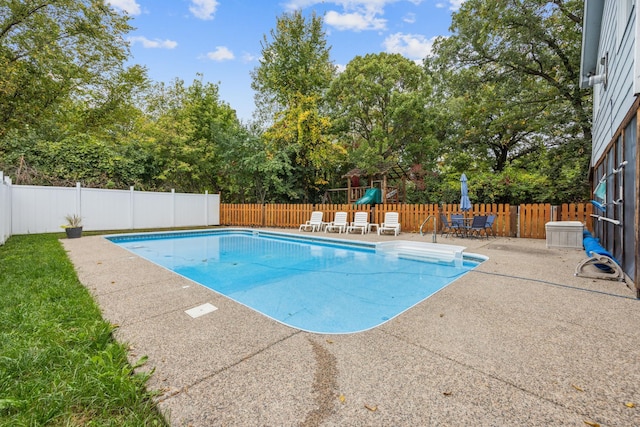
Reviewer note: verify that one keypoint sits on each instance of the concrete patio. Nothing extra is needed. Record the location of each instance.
(520, 341)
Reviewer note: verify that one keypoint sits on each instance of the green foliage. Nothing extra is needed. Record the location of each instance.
(67, 103)
(256, 173)
(294, 63)
(53, 50)
(290, 82)
(508, 83)
(77, 157)
(377, 105)
(303, 132)
(191, 130)
(498, 100)
(60, 366)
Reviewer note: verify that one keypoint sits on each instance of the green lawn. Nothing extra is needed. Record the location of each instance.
(59, 364)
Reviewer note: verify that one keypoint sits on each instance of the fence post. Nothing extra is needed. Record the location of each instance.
(206, 208)
(78, 200)
(131, 208)
(5, 208)
(173, 207)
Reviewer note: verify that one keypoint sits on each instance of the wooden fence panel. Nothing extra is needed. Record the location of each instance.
(533, 218)
(411, 216)
(287, 215)
(576, 212)
(241, 215)
(331, 209)
(502, 223)
(526, 220)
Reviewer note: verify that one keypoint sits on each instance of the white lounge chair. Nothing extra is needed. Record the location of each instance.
(391, 223)
(360, 223)
(314, 224)
(338, 224)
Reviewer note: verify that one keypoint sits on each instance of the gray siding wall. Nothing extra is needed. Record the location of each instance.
(611, 105)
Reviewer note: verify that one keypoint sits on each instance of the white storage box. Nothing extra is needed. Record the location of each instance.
(564, 234)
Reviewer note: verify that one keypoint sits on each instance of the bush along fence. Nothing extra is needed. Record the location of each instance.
(525, 220)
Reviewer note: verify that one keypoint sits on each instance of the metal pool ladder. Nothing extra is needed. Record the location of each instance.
(435, 229)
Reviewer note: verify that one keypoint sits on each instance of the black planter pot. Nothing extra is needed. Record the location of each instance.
(73, 232)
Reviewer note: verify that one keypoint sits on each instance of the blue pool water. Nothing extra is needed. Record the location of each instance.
(318, 285)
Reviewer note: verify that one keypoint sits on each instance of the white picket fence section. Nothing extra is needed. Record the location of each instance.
(28, 209)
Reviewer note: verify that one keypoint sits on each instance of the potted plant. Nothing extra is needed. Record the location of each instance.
(73, 227)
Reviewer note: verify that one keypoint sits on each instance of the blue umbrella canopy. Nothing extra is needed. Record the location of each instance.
(465, 203)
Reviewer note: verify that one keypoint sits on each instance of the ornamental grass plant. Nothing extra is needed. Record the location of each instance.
(59, 363)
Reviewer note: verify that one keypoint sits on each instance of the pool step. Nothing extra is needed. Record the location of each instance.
(421, 250)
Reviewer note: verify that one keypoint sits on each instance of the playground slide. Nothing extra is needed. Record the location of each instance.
(371, 197)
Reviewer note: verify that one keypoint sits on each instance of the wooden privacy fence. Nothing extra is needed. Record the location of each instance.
(526, 220)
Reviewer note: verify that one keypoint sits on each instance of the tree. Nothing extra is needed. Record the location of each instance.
(191, 129)
(256, 172)
(488, 123)
(68, 107)
(533, 38)
(511, 80)
(378, 108)
(290, 82)
(294, 63)
(302, 132)
(52, 50)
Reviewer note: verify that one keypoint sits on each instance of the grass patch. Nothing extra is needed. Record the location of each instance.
(59, 364)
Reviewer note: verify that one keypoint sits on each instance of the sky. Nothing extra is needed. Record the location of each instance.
(221, 39)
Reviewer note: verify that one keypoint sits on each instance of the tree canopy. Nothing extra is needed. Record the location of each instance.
(51, 50)
(509, 75)
(377, 106)
(295, 63)
(498, 99)
(290, 82)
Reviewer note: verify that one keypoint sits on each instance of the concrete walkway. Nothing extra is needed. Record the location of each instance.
(519, 341)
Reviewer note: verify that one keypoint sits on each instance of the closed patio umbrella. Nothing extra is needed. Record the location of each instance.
(465, 203)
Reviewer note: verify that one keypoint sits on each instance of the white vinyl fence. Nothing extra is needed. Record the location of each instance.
(27, 209)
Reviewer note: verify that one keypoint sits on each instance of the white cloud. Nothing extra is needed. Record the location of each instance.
(409, 18)
(455, 4)
(203, 9)
(300, 4)
(413, 46)
(346, 4)
(354, 21)
(129, 6)
(356, 15)
(248, 57)
(221, 54)
(153, 44)
(340, 68)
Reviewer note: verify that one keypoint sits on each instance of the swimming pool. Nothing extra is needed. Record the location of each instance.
(314, 284)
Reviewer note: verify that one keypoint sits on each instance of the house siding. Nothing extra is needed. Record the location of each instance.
(612, 104)
(616, 113)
